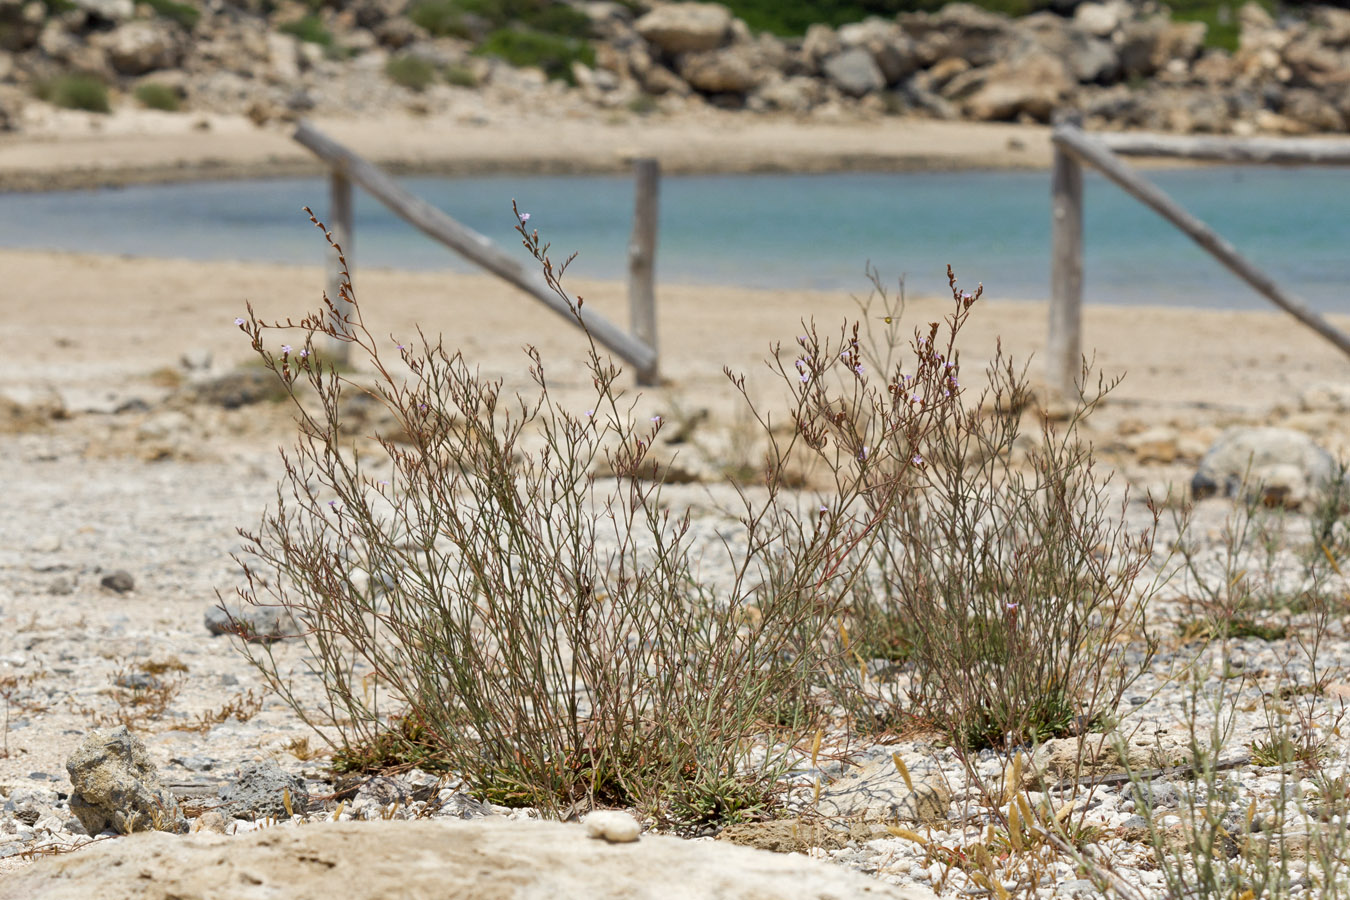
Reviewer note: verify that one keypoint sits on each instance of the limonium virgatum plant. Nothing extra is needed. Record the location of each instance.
(480, 598)
(475, 598)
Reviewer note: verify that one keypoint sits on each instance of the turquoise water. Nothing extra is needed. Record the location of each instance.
(767, 231)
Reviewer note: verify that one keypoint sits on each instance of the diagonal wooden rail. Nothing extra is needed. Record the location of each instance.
(348, 167)
(1073, 147)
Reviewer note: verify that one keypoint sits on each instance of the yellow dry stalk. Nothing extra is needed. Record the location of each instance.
(897, 831)
(815, 746)
(1014, 828)
(286, 801)
(340, 807)
(903, 770)
(843, 633)
(1335, 566)
(1011, 786)
(815, 797)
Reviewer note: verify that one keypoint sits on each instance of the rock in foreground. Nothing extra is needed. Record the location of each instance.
(491, 859)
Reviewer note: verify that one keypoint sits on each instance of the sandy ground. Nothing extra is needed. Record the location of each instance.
(82, 149)
(85, 323)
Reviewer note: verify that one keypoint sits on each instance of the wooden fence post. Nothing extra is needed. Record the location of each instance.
(642, 264)
(467, 242)
(342, 225)
(1064, 353)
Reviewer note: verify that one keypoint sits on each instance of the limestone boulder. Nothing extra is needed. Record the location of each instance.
(959, 29)
(1088, 58)
(140, 47)
(1151, 45)
(686, 27)
(437, 858)
(1100, 19)
(854, 72)
(116, 786)
(1278, 466)
(730, 70)
(796, 94)
(1032, 86)
(892, 50)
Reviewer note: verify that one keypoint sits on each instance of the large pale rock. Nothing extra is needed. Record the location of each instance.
(1089, 59)
(1150, 45)
(449, 859)
(1032, 86)
(140, 47)
(1100, 19)
(854, 72)
(796, 94)
(1280, 466)
(876, 792)
(959, 29)
(730, 70)
(116, 786)
(686, 27)
(892, 50)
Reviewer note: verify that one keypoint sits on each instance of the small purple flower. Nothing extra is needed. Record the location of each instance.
(862, 454)
(656, 420)
(589, 413)
(383, 482)
(400, 346)
(824, 509)
(524, 217)
(238, 321)
(1012, 607)
(917, 460)
(304, 352)
(285, 349)
(858, 369)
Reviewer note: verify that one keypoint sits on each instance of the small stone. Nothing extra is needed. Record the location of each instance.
(613, 826)
(116, 786)
(47, 543)
(253, 623)
(61, 586)
(119, 582)
(261, 789)
(212, 821)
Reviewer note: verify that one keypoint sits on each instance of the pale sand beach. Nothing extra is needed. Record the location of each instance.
(73, 149)
(87, 320)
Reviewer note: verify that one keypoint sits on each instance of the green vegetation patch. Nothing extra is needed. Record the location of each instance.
(309, 29)
(458, 18)
(157, 95)
(411, 72)
(184, 14)
(75, 90)
(550, 52)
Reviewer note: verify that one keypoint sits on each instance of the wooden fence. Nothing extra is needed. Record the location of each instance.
(1073, 147)
(637, 348)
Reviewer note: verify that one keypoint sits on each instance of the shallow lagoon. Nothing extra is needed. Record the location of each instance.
(766, 231)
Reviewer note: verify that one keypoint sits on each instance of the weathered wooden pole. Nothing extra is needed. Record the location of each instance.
(642, 264)
(1072, 140)
(468, 243)
(342, 225)
(1064, 353)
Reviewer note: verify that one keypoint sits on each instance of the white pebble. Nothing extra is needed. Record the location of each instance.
(615, 827)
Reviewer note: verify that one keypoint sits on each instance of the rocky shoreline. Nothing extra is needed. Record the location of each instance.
(1122, 65)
